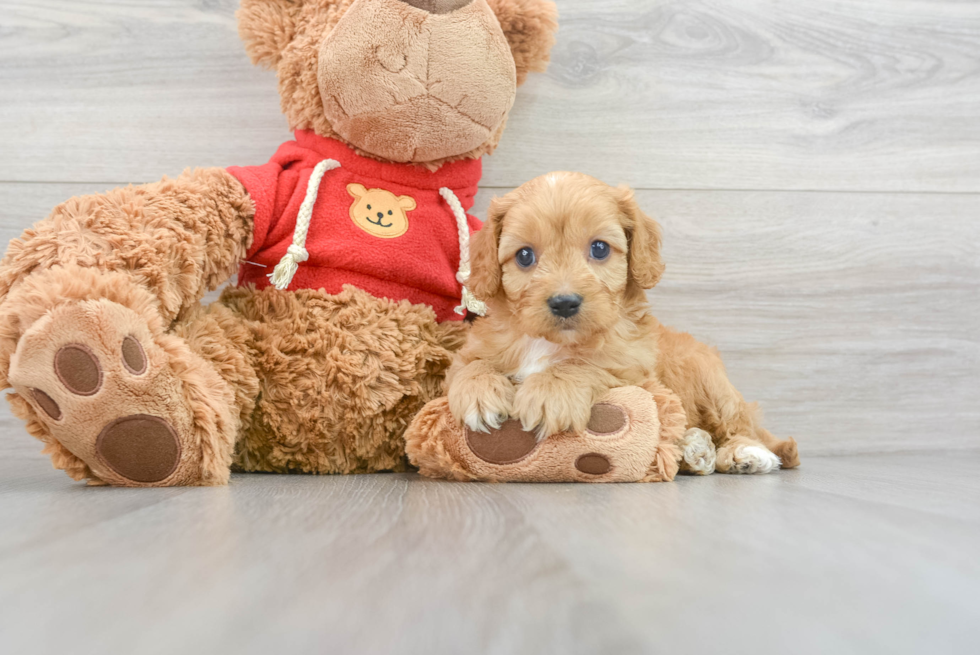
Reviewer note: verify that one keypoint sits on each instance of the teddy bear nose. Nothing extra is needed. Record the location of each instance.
(381, 214)
(438, 6)
(565, 306)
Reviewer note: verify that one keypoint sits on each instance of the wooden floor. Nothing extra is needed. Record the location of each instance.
(858, 554)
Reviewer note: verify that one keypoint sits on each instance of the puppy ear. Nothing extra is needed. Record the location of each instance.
(646, 265)
(485, 276)
(267, 27)
(530, 27)
(356, 190)
(406, 202)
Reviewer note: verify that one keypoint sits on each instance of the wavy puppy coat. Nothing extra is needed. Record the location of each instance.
(563, 263)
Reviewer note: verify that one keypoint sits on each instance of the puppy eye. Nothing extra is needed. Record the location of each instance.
(525, 257)
(600, 250)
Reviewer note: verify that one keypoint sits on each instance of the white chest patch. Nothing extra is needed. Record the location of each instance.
(539, 354)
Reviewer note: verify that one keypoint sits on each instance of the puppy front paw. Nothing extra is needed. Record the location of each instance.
(548, 408)
(481, 403)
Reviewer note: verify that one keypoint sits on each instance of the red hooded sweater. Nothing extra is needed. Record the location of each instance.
(380, 226)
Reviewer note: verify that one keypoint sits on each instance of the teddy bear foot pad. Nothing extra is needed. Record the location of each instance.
(620, 444)
(106, 392)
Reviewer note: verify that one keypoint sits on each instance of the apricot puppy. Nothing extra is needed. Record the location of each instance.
(563, 263)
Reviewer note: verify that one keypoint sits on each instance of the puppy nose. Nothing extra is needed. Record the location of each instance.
(565, 306)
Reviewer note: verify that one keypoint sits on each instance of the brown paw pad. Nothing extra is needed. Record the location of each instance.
(606, 419)
(134, 359)
(507, 445)
(140, 448)
(47, 403)
(593, 464)
(78, 369)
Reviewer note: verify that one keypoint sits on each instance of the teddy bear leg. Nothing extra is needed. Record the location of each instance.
(340, 377)
(117, 398)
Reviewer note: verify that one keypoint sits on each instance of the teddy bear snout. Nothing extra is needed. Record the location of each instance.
(438, 6)
(406, 82)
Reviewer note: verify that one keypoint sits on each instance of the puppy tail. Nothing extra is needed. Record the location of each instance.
(784, 449)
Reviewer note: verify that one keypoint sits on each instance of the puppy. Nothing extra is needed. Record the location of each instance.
(563, 264)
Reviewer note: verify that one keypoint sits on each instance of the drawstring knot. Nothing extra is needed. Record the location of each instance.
(470, 302)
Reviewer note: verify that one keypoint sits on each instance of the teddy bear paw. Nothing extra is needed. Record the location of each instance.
(106, 391)
(618, 445)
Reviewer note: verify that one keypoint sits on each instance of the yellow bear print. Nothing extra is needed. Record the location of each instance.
(378, 212)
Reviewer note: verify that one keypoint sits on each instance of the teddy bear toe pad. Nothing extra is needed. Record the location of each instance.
(140, 448)
(508, 444)
(106, 392)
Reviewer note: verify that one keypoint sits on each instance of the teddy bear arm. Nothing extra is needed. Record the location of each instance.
(177, 238)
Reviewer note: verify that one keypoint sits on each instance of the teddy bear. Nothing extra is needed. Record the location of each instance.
(350, 247)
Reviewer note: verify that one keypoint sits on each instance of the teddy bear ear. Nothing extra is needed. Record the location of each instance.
(530, 27)
(267, 27)
(356, 190)
(406, 202)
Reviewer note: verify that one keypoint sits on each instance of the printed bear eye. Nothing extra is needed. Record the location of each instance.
(389, 212)
(369, 207)
(600, 250)
(525, 257)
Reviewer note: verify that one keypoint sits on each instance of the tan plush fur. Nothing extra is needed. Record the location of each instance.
(338, 377)
(265, 381)
(407, 85)
(288, 35)
(547, 371)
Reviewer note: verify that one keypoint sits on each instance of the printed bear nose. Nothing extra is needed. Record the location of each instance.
(565, 306)
(438, 6)
(381, 214)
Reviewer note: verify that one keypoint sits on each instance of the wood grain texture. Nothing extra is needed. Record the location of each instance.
(872, 554)
(853, 318)
(850, 94)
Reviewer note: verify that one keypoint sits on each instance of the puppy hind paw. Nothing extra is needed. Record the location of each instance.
(747, 460)
(698, 454)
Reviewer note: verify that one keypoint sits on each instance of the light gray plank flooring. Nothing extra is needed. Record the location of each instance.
(860, 554)
(692, 94)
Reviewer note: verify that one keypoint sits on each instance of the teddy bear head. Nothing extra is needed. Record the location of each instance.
(413, 81)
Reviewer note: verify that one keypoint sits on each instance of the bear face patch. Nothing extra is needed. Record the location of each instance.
(379, 212)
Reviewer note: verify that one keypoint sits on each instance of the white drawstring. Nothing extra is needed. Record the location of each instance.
(470, 302)
(284, 271)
